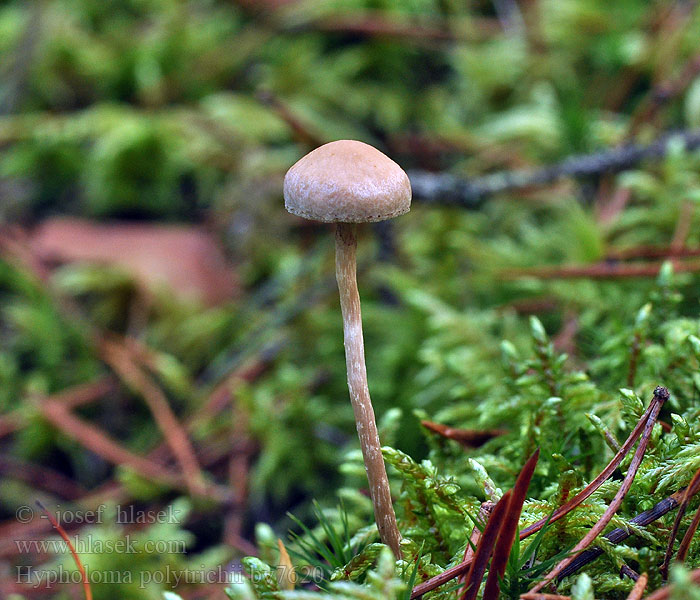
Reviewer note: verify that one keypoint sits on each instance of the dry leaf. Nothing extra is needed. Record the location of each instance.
(470, 438)
(185, 259)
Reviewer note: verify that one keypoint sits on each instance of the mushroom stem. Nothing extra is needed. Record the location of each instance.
(345, 272)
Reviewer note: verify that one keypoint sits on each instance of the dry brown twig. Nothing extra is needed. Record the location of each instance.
(419, 31)
(610, 203)
(57, 526)
(222, 394)
(498, 536)
(111, 490)
(303, 132)
(94, 439)
(596, 483)
(15, 245)
(618, 535)
(120, 358)
(40, 477)
(238, 467)
(469, 438)
(72, 397)
(662, 94)
(660, 396)
(601, 270)
(665, 592)
(687, 538)
(57, 411)
(683, 223)
(690, 491)
(563, 510)
(639, 587)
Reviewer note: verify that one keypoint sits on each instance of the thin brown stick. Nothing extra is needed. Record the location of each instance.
(683, 223)
(618, 535)
(222, 394)
(529, 306)
(646, 251)
(601, 270)
(78, 395)
(41, 477)
(610, 203)
(377, 25)
(687, 538)
(690, 491)
(638, 588)
(469, 438)
(13, 243)
(96, 440)
(238, 476)
(76, 558)
(634, 358)
(665, 592)
(660, 396)
(101, 444)
(303, 132)
(662, 94)
(118, 356)
(563, 510)
(114, 492)
(597, 482)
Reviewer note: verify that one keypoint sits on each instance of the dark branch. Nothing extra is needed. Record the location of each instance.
(618, 535)
(446, 189)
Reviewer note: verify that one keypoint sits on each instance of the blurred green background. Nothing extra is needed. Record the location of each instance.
(145, 247)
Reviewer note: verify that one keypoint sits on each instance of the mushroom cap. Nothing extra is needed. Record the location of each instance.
(346, 182)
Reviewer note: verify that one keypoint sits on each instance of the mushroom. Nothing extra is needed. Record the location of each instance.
(348, 182)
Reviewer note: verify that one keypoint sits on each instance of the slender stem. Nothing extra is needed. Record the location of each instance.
(345, 272)
(690, 491)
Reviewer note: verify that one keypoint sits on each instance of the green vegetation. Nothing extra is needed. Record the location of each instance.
(190, 112)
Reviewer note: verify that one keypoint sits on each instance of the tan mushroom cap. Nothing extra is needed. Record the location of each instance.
(347, 182)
